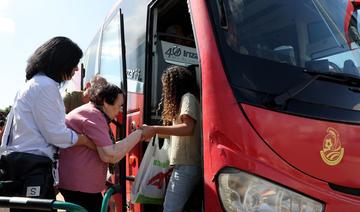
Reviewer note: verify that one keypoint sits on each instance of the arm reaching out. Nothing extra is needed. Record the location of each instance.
(186, 128)
(114, 153)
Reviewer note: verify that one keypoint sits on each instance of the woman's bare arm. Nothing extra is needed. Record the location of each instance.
(114, 153)
(186, 128)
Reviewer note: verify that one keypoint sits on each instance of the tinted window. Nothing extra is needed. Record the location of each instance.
(268, 48)
(293, 32)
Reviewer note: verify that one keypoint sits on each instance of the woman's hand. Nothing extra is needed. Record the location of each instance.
(85, 141)
(148, 132)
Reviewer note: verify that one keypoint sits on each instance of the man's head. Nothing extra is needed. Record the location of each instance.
(97, 80)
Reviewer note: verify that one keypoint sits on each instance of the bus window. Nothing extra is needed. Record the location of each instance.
(89, 58)
(110, 59)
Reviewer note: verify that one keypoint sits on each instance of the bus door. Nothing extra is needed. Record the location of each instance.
(112, 66)
(106, 55)
(171, 42)
(126, 26)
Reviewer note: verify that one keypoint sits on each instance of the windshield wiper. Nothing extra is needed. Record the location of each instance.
(349, 79)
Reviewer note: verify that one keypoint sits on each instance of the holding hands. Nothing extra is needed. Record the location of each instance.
(147, 132)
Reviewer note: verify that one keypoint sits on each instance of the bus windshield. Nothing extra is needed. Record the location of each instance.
(312, 34)
(273, 47)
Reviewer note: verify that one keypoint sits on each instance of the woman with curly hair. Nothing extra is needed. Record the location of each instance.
(180, 118)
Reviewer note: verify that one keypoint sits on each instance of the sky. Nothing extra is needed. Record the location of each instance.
(26, 24)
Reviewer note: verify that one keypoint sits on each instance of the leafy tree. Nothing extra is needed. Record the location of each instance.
(3, 114)
(7, 110)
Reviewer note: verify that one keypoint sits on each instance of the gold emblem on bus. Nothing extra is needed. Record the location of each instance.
(332, 152)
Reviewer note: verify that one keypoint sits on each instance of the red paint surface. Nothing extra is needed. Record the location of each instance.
(230, 140)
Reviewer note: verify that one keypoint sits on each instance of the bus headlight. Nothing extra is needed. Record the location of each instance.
(243, 192)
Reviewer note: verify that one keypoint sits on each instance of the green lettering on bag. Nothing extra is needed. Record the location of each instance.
(165, 164)
(148, 200)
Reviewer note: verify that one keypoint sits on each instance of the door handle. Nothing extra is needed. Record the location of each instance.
(133, 126)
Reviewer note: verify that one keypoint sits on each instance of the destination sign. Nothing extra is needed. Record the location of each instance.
(179, 54)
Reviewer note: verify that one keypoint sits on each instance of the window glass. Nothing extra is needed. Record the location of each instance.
(299, 33)
(111, 58)
(89, 58)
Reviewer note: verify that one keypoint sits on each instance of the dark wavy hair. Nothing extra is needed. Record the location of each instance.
(56, 58)
(176, 81)
(107, 92)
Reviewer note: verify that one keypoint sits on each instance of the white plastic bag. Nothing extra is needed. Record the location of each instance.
(154, 172)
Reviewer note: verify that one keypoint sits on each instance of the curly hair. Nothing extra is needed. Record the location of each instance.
(176, 81)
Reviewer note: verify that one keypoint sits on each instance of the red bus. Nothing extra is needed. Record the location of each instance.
(280, 94)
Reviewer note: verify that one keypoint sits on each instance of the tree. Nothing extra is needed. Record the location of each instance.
(4, 113)
(7, 110)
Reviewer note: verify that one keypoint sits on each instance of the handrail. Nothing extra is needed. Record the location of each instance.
(68, 206)
(113, 189)
(106, 199)
(38, 204)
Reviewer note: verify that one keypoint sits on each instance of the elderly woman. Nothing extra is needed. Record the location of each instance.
(83, 171)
